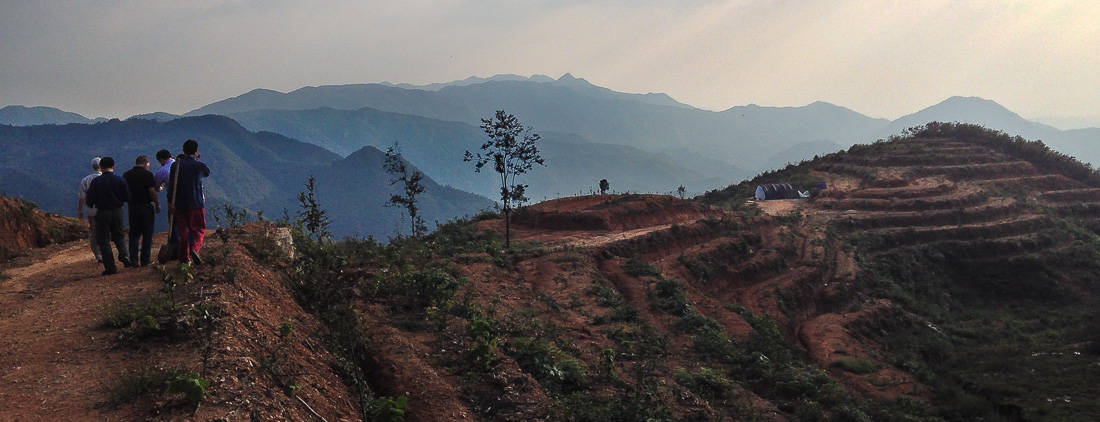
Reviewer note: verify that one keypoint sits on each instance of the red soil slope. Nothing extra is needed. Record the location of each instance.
(23, 226)
(60, 363)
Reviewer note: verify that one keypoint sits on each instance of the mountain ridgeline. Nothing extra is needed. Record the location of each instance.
(735, 136)
(16, 115)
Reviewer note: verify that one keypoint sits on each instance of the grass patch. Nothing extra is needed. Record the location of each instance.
(567, 258)
(178, 383)
(551, 367)
(856, 365)
(122, 315)
(699, 269)
(637, 343)
(620, 313)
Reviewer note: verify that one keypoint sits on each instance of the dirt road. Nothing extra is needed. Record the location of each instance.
(57, 363)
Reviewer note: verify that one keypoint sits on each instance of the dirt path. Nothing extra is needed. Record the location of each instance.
(615, 237)
(780, 207)
(57, 364)
(73, 253)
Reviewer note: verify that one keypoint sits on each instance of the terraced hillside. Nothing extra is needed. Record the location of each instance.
(977, 261)
(949, 275)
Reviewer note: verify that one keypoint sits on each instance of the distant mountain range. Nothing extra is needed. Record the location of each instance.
(471, 81)
(743, 139)
(639, 142)
(653, 122)
(255, 170)
(17, 115)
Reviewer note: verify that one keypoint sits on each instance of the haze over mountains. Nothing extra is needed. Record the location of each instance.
(653, 122)
(639, 142)
(573, 163)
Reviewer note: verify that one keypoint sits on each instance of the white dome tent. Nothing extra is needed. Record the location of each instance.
(778, 191)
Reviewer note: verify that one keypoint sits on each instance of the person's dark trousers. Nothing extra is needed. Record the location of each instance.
(141, 227)
(108, 228)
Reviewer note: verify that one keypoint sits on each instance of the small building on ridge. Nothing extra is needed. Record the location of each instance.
(776, 191)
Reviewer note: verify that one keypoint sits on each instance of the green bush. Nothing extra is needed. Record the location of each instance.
(714, 345)
(668, 296)
(638, 268)
(638, 343)
(694, 322)
(420, 289)
(705, 383)
(605, 296)
(190, 385)
(484, 332)
(388, 409)
(551, 367)
(701, 270)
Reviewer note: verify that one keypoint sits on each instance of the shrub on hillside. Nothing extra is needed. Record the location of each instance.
(638, 268)
(705, 382)
(668, 296)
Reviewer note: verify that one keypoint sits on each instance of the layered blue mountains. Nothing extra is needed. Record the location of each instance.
(262, 145)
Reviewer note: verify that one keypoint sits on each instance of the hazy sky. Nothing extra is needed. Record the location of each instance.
(881, 58)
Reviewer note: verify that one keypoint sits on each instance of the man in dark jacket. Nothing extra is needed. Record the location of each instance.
(143, 207)
(189, 202)
(107, 193)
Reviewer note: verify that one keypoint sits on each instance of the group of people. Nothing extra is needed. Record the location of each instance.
(102, 194)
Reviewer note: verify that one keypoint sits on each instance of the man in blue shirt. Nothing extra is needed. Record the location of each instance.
(187, 201)
(161, 176)
(107, 193)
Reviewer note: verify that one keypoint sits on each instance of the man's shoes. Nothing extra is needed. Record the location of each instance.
(109, 272)
(127, 264)
(195, 258)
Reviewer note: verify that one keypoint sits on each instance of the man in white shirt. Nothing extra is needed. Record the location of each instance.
(80, 213)
(160, 177)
